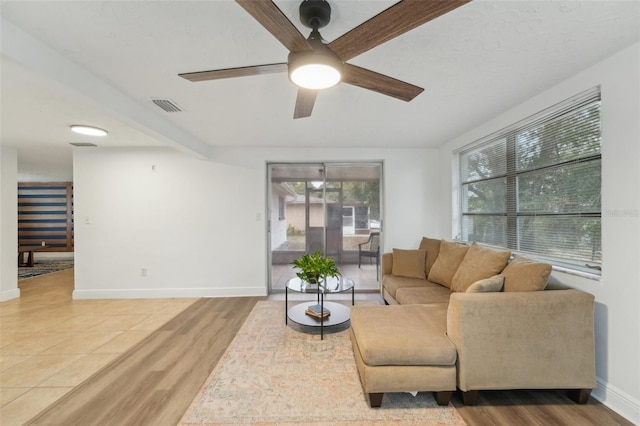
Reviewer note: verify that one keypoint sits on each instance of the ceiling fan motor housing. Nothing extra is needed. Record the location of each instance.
(315, 13)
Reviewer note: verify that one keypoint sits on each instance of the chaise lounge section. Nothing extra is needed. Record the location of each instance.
(472, 315)
(399, 359)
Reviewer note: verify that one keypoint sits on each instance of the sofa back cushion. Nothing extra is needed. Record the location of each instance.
(487, 285)
(479, 263)
(523, 274)
(446, 265)
(409, 263)
(432, 246)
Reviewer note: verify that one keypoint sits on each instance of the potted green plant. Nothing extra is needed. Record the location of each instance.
(315, 268)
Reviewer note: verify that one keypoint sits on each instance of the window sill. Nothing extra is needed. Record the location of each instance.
(577, 272)
(569, 268)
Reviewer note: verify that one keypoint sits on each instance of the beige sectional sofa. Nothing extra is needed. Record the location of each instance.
(468, 317)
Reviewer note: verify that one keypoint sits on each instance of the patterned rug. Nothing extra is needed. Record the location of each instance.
(274, 374)
(45, 266)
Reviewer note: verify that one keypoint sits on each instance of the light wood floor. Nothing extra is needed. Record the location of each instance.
(544, 408)
(154, 381)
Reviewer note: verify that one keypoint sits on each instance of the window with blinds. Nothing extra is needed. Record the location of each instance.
(535, 187)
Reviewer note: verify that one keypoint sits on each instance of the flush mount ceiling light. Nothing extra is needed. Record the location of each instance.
(88, 130)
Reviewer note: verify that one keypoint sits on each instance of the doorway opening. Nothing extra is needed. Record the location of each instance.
(330, 207)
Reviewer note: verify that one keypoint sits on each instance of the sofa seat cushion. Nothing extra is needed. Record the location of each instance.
(391, 283)
(403, 335)
(432, 293)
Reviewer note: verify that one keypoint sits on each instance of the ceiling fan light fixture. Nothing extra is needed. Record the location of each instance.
(315, 70)
(88, 130)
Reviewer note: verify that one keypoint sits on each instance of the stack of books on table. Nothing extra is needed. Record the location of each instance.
(317, 311)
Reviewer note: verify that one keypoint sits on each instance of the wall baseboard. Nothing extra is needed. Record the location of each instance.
(159, 293)
(14, 293)
(619, 401)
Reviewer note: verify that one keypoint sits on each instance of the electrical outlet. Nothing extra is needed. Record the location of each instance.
(143, 272)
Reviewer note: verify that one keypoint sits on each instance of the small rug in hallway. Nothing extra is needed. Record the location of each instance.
(273, 374)
(42, 267)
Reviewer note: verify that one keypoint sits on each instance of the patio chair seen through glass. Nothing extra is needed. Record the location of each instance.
(371, 249)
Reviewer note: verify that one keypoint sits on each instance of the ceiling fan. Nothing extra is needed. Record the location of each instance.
(312, 56)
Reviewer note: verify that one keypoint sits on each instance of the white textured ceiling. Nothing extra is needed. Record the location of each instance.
(475, 62)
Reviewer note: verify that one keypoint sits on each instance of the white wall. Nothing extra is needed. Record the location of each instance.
(193, 223)
(410, 183)
(8, 224)
(43, 164)
(618, 291)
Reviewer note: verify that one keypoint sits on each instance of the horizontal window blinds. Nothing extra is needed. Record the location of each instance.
(535, 187)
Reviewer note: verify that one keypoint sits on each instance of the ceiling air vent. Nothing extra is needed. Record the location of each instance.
(85, 144)
(167, 105)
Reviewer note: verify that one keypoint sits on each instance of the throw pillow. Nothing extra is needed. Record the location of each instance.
(409, 263)
(479, 263)
(446, 265)
(523, 274)
(487, 285)
(432, 246)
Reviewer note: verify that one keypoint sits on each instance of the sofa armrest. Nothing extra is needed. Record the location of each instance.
(523, 340)
(387, 263)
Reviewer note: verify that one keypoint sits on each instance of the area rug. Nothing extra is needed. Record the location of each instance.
(45, 266)
(276, 374)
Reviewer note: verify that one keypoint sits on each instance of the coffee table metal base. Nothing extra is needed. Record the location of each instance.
(339, 314)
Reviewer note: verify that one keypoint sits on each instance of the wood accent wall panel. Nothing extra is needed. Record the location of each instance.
(45, 213)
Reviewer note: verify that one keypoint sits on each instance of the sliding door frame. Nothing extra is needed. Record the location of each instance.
(324, 165)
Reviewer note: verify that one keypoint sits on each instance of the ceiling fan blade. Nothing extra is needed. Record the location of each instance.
(380, 83)
(390, 23)
(274, 21)
(234, 72)
(304, 103)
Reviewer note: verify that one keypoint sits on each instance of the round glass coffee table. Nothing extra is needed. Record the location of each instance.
(339, 312)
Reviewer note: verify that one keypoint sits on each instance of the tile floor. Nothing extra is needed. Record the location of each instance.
(50, 343)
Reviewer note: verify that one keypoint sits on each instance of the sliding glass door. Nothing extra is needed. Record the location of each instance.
(330, 207)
